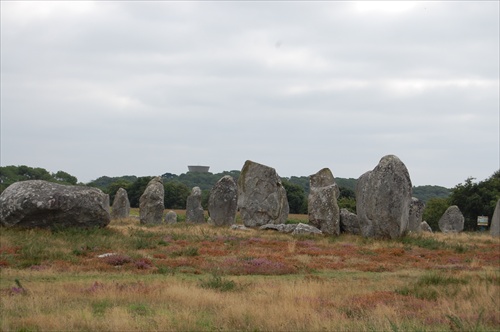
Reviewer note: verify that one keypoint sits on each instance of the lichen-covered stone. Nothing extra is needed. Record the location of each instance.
(323, 209)
(349, 222)
(452, 221)
(194, 210)
(121, 205)
(383, 198)
(416, 213)
(223, 202)
(37, 203)
(495, 221)
(171, 217)
(424, 227)
(261, 196)
(151, 203)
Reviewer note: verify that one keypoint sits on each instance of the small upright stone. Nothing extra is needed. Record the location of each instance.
(424, 227)
(349, 222)
(223, 202)
(121, 205)
(261, 196)
(151, 203)
(323, 208)
(194, 210)
(495, 221)
(452, 220)
(171, 217)
(416, 212)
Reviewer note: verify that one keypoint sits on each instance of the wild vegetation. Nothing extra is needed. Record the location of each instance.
(196, 277)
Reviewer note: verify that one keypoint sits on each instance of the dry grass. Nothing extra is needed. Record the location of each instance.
(432, 282)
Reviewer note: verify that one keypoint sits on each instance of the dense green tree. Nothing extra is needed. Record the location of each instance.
(64, 177)
(476, 199)
(424, 193)
(297, 200)
(176, 194)
(11, 174)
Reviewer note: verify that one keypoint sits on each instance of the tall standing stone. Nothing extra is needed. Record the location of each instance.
(121, 205)
(42, 204)
(383, 198)
(194, 210)
(151, 203)
(223, 202)
(416, 213)
(323, 209)
(495, 221)
(261, 196)
(452, 221)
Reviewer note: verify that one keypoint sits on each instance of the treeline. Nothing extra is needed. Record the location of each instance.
(473, 199)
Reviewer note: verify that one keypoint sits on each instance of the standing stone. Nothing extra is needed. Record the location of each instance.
(121, 205)
(194, 210)
(349, 222)
(452, 220)
(424, 227)
(42, 204)
(261, 196)
(383, 198)
(171, 217)
(323, 208)
(151, 203)
(416, 212)
(223, 202)
(495, 221)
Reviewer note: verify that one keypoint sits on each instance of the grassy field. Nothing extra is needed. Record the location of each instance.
(202, 278)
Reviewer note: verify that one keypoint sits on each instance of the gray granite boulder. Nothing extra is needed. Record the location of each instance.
(349, 222)
(37, 203)
(121, 205)
(452, 221)
(261, 196)
(424, 227)
(383, 198)
(294, 229)
(194, 210)
(416, 212)
(151, 203)
(223, 202)
(171, 217)
(323, 209)
(495, 221)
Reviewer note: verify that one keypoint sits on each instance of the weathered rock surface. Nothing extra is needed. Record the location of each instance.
(424, 227)
(495, 221)
(305, 229)
(452, 220)
(121, 205)
(239, 228)
(349, 222)
(171, 217)
(294, 229)
(416, 212)
(37, 203)
(223, 202)
(261, 196)
(383, 198)
(323, 208)
(194, 210)
(151, 203)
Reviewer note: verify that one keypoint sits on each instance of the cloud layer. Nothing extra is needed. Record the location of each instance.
(143, 88)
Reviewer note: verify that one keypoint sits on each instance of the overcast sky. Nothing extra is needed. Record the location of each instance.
(143, 88)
